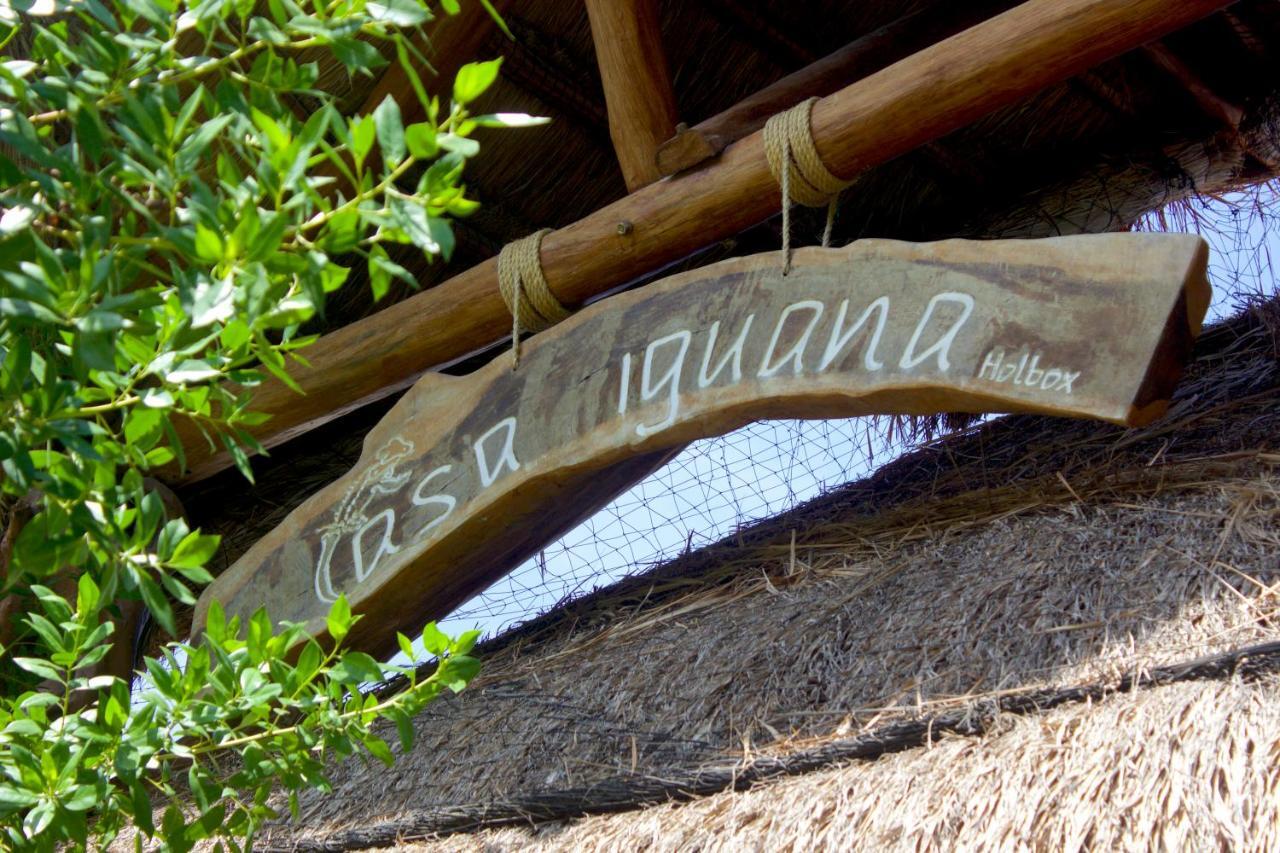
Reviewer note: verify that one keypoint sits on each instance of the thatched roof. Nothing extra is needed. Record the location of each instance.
(936, 612)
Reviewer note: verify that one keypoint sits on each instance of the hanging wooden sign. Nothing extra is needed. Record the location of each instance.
(468, 476)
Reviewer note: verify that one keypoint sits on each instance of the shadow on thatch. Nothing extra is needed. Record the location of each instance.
(1029, 554)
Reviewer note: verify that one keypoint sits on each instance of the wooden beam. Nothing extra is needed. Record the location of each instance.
(868, 54)
(923, 98)
(1211, 104)
(637, 84)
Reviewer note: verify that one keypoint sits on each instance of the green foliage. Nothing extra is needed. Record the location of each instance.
(170, 217)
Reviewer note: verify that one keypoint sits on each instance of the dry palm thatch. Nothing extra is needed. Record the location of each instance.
(1192, 766)
(1029, 563)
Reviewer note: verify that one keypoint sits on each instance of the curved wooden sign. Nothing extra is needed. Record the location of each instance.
(468, 476)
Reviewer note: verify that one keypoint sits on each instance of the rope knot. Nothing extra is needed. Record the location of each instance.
(798, 168)
(525, 290)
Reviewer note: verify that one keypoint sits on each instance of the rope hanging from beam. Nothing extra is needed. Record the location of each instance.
(524, 288)
(798, 168)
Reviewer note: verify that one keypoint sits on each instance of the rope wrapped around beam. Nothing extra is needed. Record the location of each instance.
(524, 288)
(798, 168)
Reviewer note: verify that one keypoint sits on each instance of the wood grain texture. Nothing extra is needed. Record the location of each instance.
(932, 93)
(866, 55)
(637, 83)
(468, 476)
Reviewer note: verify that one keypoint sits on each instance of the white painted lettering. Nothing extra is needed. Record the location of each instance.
(1022, 365)
(1034, 374)
(796, 354)
(943, 345)
(624, 384)
(388, 520)
(446, 501)
(732, 356)
(839, 340)
(992, 362)
(670, 380)
(1067, 379)
(506, 458)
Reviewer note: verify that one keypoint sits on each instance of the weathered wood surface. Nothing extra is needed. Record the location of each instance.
(992, 65)
(468, 476)
(637, 83)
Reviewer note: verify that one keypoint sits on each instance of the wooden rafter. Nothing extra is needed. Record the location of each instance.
(1105, 95)
(935, 92)
(860, 58)
(771, 40)
(637, 83)
(1214, 106)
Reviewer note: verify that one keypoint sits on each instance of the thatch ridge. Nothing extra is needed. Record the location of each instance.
(980, 716)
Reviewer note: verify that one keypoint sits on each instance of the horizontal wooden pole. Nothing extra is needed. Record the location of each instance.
(939, 90)
(864, 56)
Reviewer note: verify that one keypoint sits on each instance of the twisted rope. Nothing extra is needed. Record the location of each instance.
(525, 290)
(798, 168)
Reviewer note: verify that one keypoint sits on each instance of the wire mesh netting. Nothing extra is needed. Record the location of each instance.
(711, 489)
(719, 485)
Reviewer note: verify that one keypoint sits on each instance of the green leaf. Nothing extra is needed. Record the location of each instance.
(88, 595)
(421, 139)
(404, 728)
(209, 246)
(142, 427)
(194, 551)
(386, 117)
(413, 220)
(510, 120)
(458, 672)
(38, 819)
(406, 645)
(215, 622)
(473, 79)
(399, 13)
(21, 309)
(82, 798)
(378, 749)
(460, 145)
(339, 620)
(40, 668)
(435, 641)
(497, 19)
(466, 642)
(363, 134)
(356, 668)
(12, 799)
(158, 604)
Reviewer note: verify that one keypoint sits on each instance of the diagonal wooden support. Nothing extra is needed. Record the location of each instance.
(860, 58)
(637, 84)
(1213, 105)
(932, 93)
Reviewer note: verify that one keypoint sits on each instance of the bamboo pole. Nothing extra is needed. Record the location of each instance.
(922, 98)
